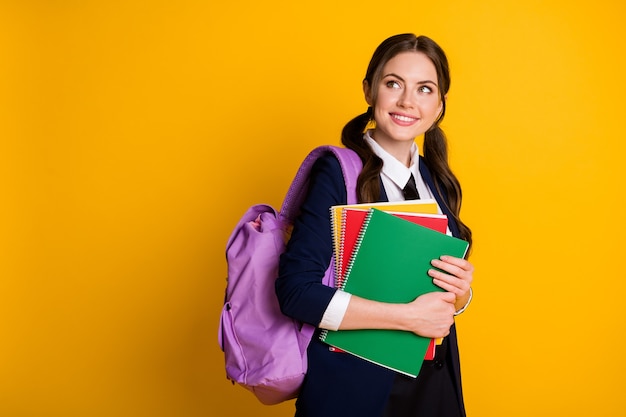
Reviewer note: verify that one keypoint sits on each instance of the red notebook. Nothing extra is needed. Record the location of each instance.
(351, 228)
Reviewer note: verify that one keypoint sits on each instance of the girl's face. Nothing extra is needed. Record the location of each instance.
(407, 102)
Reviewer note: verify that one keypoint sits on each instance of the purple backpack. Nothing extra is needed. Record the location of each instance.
(265, 351)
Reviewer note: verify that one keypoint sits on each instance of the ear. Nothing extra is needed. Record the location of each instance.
(445, 100)
(367, 91)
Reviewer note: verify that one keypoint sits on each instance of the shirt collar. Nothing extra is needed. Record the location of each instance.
(395, 170)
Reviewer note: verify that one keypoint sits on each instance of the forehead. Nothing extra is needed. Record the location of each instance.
(411, 66)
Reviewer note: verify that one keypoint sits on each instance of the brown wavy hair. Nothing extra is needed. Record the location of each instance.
(435, 142)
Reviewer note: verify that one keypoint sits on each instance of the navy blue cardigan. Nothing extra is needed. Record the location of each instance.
(336, 384)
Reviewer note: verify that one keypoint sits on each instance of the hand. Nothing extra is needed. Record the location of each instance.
(457, 277)
(432, 314)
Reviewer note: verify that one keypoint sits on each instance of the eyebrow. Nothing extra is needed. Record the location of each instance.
(391, 74)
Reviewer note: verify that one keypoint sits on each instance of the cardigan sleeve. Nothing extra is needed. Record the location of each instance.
(299, 287)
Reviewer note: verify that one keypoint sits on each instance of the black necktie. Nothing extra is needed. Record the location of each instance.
(410, 190)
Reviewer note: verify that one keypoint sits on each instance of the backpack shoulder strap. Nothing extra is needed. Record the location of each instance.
(351, 166)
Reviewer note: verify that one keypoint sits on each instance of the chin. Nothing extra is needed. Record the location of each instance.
(405, 138)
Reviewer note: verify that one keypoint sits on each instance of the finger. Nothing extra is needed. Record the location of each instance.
(449, 282)
(451, 289)
(449, 268)
(443, 276)
(448, 297)
(460, 262)
(454, 270)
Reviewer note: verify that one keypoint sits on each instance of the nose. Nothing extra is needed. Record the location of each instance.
(406, 99)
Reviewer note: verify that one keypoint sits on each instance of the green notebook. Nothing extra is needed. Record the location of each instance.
(390, 264)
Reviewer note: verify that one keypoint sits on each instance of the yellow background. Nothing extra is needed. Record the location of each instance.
(127, 128)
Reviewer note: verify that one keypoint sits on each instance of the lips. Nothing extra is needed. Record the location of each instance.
(403, 119)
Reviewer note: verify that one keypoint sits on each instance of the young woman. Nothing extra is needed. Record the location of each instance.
(405, 87)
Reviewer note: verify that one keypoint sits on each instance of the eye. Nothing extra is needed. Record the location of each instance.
(425, 89)
(393, 84)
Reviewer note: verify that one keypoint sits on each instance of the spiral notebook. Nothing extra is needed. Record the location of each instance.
(389, 264)
(352, 221)
(408, 206)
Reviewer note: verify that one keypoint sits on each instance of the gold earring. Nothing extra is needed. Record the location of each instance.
(371, 123)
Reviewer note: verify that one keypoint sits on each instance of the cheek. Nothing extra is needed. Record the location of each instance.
(385, 102)
(379, 112)
(434, 107)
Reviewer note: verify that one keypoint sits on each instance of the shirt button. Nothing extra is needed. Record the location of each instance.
(438, 364)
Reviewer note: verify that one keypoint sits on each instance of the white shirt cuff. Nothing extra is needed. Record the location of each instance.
(335, 311)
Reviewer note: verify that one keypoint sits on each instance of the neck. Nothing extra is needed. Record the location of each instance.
(401, 150)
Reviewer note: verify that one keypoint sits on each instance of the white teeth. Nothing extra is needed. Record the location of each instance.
(403, 118)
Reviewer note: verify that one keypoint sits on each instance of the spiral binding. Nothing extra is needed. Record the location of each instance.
(341, 280)
(333, 226)
(323, 335)
(357, 246)
(339, 277)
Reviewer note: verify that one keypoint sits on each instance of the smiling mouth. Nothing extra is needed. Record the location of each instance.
(404, 119)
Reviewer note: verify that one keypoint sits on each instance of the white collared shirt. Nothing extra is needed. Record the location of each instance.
(395, 174)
